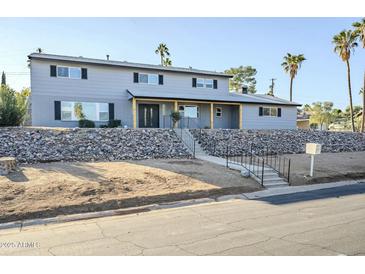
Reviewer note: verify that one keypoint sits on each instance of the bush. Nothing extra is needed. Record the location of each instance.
(84, 123)
(114, 123)
(176, 117)
(13, 107)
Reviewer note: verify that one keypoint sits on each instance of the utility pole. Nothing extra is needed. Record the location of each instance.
(271, 87)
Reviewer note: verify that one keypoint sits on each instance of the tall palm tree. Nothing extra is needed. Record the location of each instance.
(360, 32)
(291, 65)
(163, 51)
(167, 62)
(345, 42)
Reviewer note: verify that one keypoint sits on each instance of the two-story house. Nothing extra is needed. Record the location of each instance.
(142, 95)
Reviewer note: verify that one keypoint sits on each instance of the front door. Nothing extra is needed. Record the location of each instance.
(148, 115)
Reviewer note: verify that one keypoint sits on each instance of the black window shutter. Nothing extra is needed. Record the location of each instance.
(83, 73)
(53, 71)
(194, 82)
(160, 79)
(261, 110)
(279, 112)
(135, 77)
(215, 84)
(111, 111)
(57, 110)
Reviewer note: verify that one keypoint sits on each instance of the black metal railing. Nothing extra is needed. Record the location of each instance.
(254, 164)
(187, 139)
(184, 122)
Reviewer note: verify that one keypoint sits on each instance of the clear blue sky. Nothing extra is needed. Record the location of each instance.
(204, 43)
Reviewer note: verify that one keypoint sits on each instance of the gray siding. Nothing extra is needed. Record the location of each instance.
(104, 84)
(252, 120)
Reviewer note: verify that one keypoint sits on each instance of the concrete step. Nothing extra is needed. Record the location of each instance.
(273, 179)
(276, 184)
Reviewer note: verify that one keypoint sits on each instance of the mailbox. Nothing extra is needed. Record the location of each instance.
(312, 148)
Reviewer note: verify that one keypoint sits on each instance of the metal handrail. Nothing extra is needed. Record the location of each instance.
(252, 163)
(189, 142)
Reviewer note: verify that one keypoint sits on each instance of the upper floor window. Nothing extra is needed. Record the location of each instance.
(68, 72)
(148, 78)
(204, 83)
(151, 79)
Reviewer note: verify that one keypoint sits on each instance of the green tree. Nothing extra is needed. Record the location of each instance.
(360, 32)
(291, 65)
(167, 62)
(13, 107)
(79, 113)
(345, 43)
(243, 75)
(163, 51)
(321, 113)
(3, 78)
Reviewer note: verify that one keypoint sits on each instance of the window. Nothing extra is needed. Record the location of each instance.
(200, 83)
(151, 79)
(209, 83)
(69, 72)
(218, 112)
(204, 83)
(62, 72)
(71, 111)
(75, 73)
(66, 111)
(189, 111)
(270, 111)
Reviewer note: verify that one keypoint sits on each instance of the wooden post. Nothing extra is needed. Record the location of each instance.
(240, 116)
(175, 110)
(134, 110)
(211, 116)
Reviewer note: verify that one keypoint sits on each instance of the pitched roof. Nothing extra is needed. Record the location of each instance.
(84, 60)
(212, 95)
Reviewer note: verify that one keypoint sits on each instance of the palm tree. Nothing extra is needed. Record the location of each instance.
(360, 32)
(291, 65)
(345, 42)
(167, 62)
(163, 51)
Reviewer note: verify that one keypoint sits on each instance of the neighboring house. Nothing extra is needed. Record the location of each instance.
(142, 95)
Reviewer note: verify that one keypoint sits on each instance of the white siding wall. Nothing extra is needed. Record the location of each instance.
(104, 84)
(252, 120)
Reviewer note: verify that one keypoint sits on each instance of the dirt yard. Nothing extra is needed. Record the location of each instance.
(328, 167)
(51, 189)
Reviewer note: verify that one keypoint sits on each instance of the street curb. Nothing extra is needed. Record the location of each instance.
(176, 204)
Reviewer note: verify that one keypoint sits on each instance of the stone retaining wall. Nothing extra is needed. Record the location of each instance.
(30, 145)
(214, 141)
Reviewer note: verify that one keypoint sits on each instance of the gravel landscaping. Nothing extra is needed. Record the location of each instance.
(214, 141)
(31, 145)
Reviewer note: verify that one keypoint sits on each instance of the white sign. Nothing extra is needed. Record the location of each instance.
(312, 148)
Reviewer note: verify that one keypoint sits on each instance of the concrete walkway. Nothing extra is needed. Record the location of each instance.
(325, 224)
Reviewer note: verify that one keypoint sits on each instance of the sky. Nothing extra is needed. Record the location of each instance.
(202, 43)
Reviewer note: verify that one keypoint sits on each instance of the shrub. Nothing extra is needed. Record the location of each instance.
(175, 116)
(84, 123)
(114, 123)
(13, 107)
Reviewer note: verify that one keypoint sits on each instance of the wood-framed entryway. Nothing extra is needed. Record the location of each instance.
(136, 102)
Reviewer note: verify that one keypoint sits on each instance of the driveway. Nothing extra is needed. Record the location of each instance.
(320, 222)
